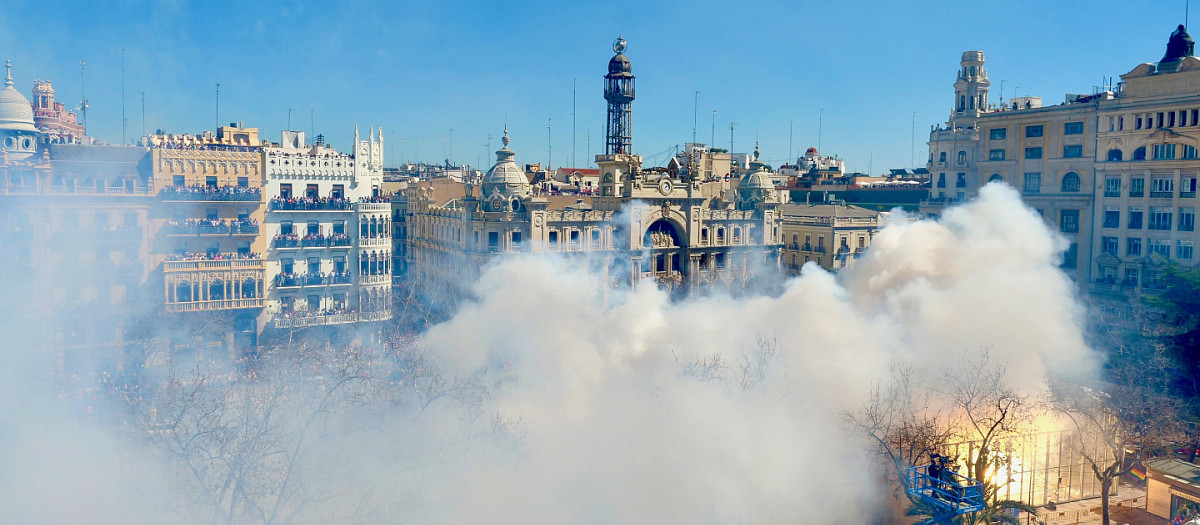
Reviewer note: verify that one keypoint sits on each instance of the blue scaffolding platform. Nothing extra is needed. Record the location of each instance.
(951, 496)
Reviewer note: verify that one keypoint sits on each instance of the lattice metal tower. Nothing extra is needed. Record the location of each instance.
(619, 92)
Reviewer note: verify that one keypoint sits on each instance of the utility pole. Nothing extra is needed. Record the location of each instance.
(83, 104)
(695, 115)
(731, 125)
(589, 144)
(549, 145)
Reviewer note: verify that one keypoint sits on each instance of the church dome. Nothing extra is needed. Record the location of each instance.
(16, 113)
(619, 64)
(504, 186)
(756, 185)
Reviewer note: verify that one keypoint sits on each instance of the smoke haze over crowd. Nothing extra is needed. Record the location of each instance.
(609, 406)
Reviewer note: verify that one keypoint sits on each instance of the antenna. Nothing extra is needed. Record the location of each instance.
(83, 104)
(731, 125)
(912, 144)
(312, 126)
(573, 141)
(820, 128)
(123, 119)
(712, 141)
(143, 114)
(549, 145)
(695, 115)
(217, 115)
(791, 124)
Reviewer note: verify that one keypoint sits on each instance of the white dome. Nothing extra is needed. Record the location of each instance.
(504, 187)
(16, 113)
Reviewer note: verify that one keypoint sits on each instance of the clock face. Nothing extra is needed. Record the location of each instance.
(664, 186)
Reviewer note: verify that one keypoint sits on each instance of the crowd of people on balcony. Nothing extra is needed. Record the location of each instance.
(310, 203)
(375, 199)
(214, 256)
(212, 226)
(203, 192)
(292, 240)
(312, 279)
(206, 147)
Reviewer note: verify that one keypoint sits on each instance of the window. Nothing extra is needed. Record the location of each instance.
(1034, 131)
(177, 180)
(1120, 123)
(339, 227)
(996, 154)
(961, 181)
(516, 239)
(575, 238)
(1112, 187)
(941, 182)
(1160, 218)
(553, 238)
(962, 158)
(1068, 221)
(1073, 128)
(1159, 246)
(998, 133)
(1072, 152)
(1139, 123)
(1189, 152)
(1131, 277)
(1183, 250)
(285, 191)
(1164, 151)
(1161, 120)
(1108, 245)
(211, 214)
(287, 265)
(1137, 187)
(210, 182)
(1033, 183)
(493, 239)
(313, 228)
(996, 177)
(314, 265)
(1162, 186)
(1135, 218)
(1187, 186)
(1071, 256)
(1133, 246)
(1112, 218)
(942, 157)
(285, 227)
(339, 191)
(244, 247)
(1139, 154)
(1071, 182)
(1115, 155)
(1187, 219)
(596, 239)
(243, 182)
(311, 192)
(1033, 153)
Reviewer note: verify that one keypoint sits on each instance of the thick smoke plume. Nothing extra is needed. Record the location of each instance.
(573, 403)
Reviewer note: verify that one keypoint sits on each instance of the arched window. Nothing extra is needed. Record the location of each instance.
(996, 177)
(1139, 154)
(972, 102)
(962, 102)
(1070, 182)
(972, 70)
(1115, 155)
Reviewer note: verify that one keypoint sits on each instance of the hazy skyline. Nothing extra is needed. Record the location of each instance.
(423, 69)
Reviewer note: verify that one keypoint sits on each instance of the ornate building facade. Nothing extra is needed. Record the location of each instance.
(330, 233)
(646, 224)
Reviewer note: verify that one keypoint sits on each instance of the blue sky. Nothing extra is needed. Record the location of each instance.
(423, 68)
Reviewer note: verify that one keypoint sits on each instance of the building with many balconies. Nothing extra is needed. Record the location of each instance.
(831, 235)
(330, 233)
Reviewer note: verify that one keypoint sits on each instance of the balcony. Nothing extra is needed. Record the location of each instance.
(200, 283)
(371, 280)
(210, 227)
(307, 319)
(376, 205)
(378, 241)
(293, 241)
(310, 204)
(296, 280)
(1161, 194)
(1187, 194)
(210, 194)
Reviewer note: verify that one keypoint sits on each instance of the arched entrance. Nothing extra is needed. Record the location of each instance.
(663, 245)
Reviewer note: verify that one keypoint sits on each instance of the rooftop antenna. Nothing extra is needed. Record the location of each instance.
(912, 144)
(589, 143)
(143, 113)
(312, 126)
(712, 140)
(731, 125)
(573, 141)
(217, 114)
(549, 145)
(695, 115)
(83, 104)
(820, 127)
(791, 124)
(123, 119)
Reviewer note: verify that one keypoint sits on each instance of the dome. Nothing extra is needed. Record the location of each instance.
(619, 65)
(810, 151)
(504, 185)
(756, 185)
(16, 113)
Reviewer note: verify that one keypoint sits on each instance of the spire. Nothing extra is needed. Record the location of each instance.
(756, 149)
(8, 81)
(505, 139)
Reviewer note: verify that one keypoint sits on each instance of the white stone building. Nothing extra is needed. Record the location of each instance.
(329, 233)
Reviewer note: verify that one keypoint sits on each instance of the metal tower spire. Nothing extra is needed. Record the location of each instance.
(619, 92)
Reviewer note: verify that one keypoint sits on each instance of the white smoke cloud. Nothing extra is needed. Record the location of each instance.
(603, 424)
